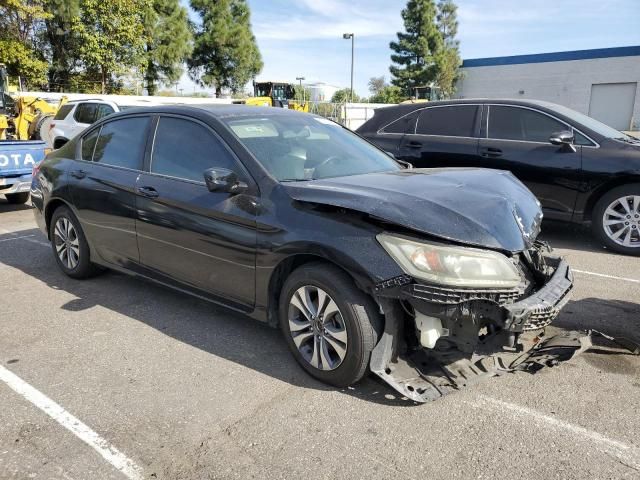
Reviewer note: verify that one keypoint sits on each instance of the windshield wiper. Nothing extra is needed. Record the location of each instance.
(296, 179)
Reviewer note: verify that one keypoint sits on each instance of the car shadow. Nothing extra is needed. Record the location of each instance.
(201, 324)
(10, 207)
(571, 236)
(245, 341)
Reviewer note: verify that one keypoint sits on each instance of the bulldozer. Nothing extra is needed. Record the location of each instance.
(22, 117)
(275, 94)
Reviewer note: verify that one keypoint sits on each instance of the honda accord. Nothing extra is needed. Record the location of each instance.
(429, 278)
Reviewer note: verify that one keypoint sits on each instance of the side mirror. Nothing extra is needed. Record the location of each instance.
(223, 180)
(564, 139)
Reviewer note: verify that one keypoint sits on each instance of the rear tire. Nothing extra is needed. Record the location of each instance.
(616, 218)
(17, 198)
(343, 338)
(69, 244)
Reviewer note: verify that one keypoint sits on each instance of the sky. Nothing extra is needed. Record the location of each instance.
(303, 38)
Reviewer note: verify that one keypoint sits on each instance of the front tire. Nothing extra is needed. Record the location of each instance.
(70, 246)
(329, 324)
(616, 219)
(17, 198)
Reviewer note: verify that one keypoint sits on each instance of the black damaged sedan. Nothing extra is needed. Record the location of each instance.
(429, 278)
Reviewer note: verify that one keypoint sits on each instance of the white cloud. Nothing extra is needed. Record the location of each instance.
(330, 19)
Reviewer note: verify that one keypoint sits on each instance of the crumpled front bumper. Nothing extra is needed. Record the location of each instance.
(487, 333)
(541, 308)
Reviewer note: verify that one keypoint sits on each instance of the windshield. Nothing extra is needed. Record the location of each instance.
(300, 147)
(591, 123)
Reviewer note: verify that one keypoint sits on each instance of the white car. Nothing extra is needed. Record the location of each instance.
(74, 116)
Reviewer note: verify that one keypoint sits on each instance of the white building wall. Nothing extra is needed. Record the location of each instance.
(567, 83)
(355, 114)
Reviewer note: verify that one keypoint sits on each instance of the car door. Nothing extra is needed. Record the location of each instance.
(517, 139)
(102, 183)
(445, 136)
(389, 137)
(187, 234)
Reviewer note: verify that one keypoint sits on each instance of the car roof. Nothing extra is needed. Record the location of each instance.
(218, 111)
(385, 115)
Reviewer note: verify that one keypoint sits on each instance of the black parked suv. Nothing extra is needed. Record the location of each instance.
(581, 170)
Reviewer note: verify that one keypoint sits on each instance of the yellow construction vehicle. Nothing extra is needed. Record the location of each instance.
(425, 93)
(275, 94)
(21, 118)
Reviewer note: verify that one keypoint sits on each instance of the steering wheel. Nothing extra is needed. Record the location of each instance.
(327, 160)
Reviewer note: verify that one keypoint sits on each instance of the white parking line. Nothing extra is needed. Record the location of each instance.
(16, 238)
(28, 238)
(623, 279)
(627, 454)
(111, 454)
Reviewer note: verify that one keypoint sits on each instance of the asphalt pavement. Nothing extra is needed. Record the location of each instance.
(116, 378)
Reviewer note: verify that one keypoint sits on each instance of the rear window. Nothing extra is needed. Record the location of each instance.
(121, 143)
(91, 112)
(63, 112)
(89, 144)
(451, 121)
(404, 125)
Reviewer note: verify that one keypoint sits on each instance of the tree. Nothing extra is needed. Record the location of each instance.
(20, 48)
(416, 49)
(388, 94)
(344, 96)
(111, 35)
(376, 84)
(225, 53)
(63, 43)
(448, 59)
(168, 42)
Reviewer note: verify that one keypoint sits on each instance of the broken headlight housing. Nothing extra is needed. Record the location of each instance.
(451, 265)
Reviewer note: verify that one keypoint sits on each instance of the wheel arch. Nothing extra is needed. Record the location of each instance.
(284, 268)
(602, 190)
(59, 142)
(51, 207)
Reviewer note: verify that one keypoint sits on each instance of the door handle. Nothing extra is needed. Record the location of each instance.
(148, 192)
(79, 174)
(490, 152)
(413, 145)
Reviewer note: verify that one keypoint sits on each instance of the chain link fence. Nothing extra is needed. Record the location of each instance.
(351, 115)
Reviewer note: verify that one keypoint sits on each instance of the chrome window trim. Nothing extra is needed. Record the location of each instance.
(418, 110)
(524, 107)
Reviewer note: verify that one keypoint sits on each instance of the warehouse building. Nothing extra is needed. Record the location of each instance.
(602, 83)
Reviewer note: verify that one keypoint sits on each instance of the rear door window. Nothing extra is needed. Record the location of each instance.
(86, 113)
(185, 149)
(88, 144)
(449, 121)
(404, 125)
(63, 112)
(103, 111)
(122, 142)
(513, 123)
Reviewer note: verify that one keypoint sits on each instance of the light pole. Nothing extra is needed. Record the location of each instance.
(351, 36)
(300, 79)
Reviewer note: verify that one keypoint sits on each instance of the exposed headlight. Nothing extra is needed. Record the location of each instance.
(448, 265)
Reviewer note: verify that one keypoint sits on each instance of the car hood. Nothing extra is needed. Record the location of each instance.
(479, 207)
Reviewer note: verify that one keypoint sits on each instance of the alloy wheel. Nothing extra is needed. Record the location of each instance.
(621, 221)
(66, 243)
(317, 328)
